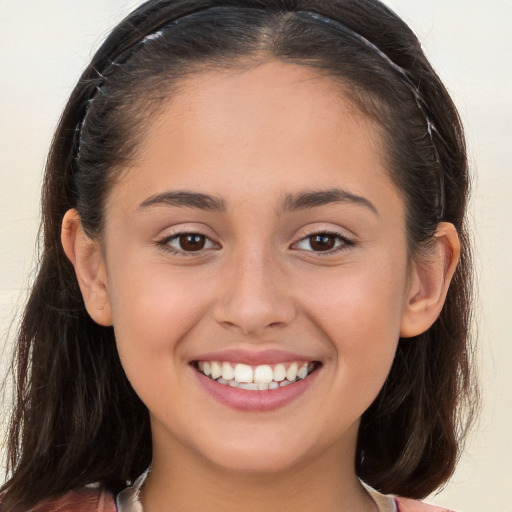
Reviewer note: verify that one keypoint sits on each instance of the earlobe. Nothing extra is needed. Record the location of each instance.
(87, 259)
(429, 282)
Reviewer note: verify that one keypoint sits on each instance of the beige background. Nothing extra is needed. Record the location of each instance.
(44, 44)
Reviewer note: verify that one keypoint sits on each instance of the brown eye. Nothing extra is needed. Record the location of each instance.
(322, 242)
(192, 242)
(187, 243)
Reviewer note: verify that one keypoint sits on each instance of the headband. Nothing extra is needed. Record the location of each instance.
(311, 16)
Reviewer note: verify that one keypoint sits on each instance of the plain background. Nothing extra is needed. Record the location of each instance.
(45, 44)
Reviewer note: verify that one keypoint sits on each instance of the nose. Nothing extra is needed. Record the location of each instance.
(254, 296)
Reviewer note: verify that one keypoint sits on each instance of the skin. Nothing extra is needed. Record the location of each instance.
(251, 139)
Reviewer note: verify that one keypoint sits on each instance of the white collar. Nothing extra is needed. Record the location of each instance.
(128, 500)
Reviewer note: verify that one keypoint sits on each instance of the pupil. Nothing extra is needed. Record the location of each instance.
(322, 242)
(192, 242)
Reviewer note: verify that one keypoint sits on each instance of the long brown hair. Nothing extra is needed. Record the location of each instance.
(76, 418)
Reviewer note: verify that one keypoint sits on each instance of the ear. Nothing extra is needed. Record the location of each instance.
(87, 259)
(429, 282)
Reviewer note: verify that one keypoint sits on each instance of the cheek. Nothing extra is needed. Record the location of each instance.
(358, 300)
(153, 307)
(359, 312)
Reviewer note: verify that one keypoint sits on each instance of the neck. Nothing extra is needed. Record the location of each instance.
(185, 482)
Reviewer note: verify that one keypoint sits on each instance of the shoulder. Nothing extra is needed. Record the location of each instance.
(87, 499)
(407, 505)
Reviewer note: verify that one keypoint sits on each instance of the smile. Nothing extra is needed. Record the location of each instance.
(256, 378)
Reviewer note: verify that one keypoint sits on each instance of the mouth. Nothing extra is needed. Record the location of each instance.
(262, 377)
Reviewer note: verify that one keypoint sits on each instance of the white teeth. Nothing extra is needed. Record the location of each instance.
(261, 377)
(303, 372)
(249, 386)
(263, 374)
(243, 373)
(291, 373)
(216, 370)
(227, 372)
(279, 372)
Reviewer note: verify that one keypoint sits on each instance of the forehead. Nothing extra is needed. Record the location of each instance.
(275, 125)
(267, 96)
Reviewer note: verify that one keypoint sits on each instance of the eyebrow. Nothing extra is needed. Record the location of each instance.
(292, 202)
(185, 199)
(312, 199)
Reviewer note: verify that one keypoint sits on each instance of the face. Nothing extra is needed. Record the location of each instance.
(259, 238)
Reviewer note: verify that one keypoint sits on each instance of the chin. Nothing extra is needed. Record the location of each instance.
(254, 456)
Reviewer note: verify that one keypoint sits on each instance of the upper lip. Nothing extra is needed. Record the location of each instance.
(253, 358)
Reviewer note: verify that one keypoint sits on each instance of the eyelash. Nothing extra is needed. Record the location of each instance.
(164, 243)
(344, 243)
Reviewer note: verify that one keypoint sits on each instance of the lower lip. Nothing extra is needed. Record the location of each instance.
(245, 400)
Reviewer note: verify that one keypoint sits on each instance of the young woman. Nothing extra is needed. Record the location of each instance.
(255, 287)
